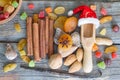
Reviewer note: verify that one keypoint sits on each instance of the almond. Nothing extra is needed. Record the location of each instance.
(55, 61)
(70, 59)
(79, 54)
(76, 66)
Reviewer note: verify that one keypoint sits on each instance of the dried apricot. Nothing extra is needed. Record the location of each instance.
(111, 49)
(70, 24)
(65, 42)
(21, 44)
(52, 16)
(95, 48)
(59, 22)
(48, 10)
(59, 10)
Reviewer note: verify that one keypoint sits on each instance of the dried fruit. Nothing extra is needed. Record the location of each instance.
(22, 53)
(35, 18)
(1, 8)
(55, 61)
(42, 14)
(98, 54)
(70, 24)
(10, 53)
(6, 15)
(59, 10)
(79, 54)
(52, 16)
(111, 49)
(115, 28)
(70, 59)
(103, 11)
(101, 65)
(4, 2)
(105, 19)
(103, 41)
(65, 42)
(31, 6)
(95, 47)
(93, 7)
(8, 8)
(15, 4)
(108, 61)
(32, 63)
(76, 66)
(76, 39)
(23, 16)
(103, 31)
(21, 44)
(114, 55)
(2, 17)
(68, 52)
(25, 58)
(17, 27)
(48, 10)
(9, 67)
(59, 22)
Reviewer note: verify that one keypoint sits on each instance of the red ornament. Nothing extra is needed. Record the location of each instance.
(31, 6)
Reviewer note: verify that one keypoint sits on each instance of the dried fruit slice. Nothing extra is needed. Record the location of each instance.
(111, 49)
(103, 31)
(65, 42)
(59, 10)
(101, 65)
(22, 52)
(9, 67)
(52, 16)
(105, 19)
(70, 24)
(17, 27)
(59, 23)
(32, 63)
(21, 44)
(25, 58)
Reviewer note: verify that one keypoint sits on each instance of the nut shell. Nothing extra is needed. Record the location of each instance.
(55, 61)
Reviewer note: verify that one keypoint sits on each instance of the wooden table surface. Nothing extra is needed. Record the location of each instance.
(9, 35)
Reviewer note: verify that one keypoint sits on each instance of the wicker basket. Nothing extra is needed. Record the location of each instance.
(13, 14)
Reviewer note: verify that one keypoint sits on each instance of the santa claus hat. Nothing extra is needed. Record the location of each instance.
(86, 15)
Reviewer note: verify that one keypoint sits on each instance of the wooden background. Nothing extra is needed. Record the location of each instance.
(9, 35)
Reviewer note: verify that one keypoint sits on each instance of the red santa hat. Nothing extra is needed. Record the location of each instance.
(86, 15)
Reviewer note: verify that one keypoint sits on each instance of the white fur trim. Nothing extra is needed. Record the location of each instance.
(70, 13)
(94, 21)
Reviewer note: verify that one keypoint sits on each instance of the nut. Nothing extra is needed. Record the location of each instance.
(76, 66)
(70, 59)
(79, 54)
(55, 61)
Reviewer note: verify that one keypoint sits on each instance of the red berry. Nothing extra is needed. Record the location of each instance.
(31, 6)
(103, 11)
(98, 54)
(42, 14)
(115, 28)
(2, 17)
(1, 8)
(6, 15)
(114, 55)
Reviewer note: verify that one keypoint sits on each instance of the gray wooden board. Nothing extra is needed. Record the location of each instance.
(8, 34)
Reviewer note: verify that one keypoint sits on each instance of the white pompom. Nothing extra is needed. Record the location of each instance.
(70, 13)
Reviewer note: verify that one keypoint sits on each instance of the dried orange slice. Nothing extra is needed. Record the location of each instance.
(65, 42)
